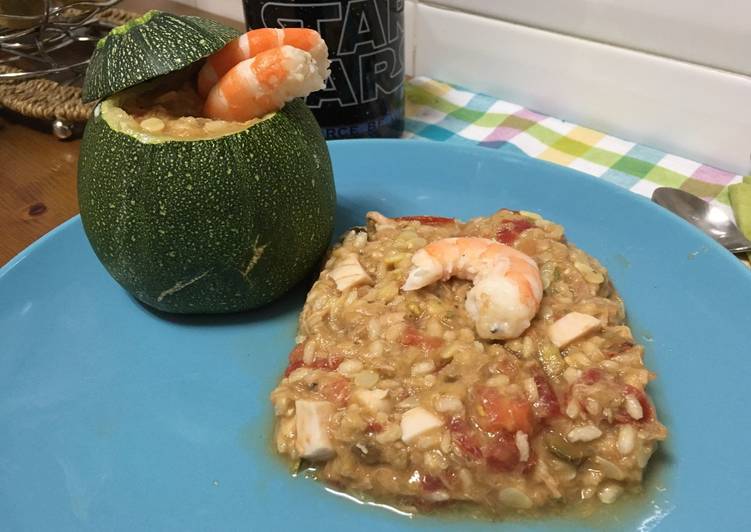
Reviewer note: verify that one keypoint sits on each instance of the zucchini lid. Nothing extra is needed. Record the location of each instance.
(150, 46)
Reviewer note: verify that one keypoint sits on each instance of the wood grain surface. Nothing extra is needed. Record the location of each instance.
(37, 185)
(38, 172)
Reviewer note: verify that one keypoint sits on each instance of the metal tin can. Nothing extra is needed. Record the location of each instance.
(364, 96)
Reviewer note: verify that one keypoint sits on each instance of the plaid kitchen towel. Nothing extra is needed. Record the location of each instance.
(443, 112)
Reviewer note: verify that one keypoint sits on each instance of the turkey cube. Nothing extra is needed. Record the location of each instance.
(348, 272)
(570, 327)
(312, 423)
(416, 422)
(373, 400)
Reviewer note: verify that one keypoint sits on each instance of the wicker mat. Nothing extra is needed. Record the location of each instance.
(48, 100)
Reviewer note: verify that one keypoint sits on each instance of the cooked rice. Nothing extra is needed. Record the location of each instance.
(378, 353)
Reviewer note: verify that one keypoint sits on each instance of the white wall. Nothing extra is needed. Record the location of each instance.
(709, 32)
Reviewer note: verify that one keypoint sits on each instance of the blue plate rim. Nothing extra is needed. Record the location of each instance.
(25, 252)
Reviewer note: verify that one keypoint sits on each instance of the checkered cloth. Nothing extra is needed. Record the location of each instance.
(444, 112)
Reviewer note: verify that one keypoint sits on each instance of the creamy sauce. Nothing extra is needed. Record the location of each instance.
(647, 504)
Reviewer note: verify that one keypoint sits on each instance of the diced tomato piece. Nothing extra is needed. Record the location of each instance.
(295, 359)
(414, 337)
(464, 438)
(457, 424)
(297, 352)
(450, 478)
(292, 367)
(469, 445)
(374, 427)
(337, 391)
(591, 376)
(431, 342)
(495, 412)
(547, 402)
(501, 454)
(646, 405)
(510, 229)
(431, 483)
(508, 365)
(411, 337)
(426, 220)
(622, 418)
(531, 462)
(617, 349)
(328, 363)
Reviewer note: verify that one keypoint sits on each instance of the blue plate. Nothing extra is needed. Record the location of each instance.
(114, 417)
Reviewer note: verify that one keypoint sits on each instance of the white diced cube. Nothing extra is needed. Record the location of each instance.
(373, 400)
(570, 327)
(348, 272)
(416, 422)
(312, 423)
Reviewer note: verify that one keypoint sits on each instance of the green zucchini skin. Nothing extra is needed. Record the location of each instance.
(209, 226)
(150, 46)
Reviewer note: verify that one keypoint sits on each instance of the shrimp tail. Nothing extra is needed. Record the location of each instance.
(426, 270)
(262, 84)
(255, 42)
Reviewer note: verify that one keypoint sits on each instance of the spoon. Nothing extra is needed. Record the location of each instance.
(713, 221)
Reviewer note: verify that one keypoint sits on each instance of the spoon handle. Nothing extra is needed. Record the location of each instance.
(740, 249)
(711, 220)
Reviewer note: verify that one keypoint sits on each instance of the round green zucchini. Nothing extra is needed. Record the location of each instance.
(205, 226)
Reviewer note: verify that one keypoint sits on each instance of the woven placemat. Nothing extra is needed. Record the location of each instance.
(48, 100)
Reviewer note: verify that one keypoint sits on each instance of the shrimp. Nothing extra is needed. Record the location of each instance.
(262, 84)
(253, 43)
(506, 290)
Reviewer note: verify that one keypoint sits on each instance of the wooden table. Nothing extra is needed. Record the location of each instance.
(38, 172)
